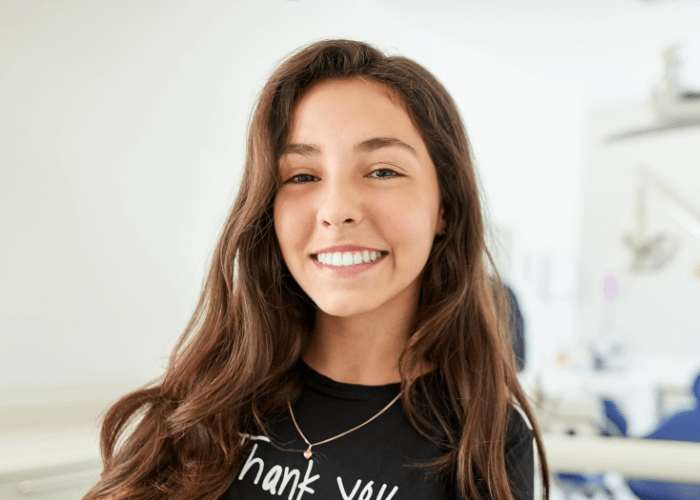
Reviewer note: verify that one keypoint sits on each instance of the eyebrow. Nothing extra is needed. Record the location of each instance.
(365, 146)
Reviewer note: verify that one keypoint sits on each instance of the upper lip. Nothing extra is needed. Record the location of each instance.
(345, 248)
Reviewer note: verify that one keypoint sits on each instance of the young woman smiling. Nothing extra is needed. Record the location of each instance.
(349, 342)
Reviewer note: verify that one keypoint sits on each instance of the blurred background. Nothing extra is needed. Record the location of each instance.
(122, 139)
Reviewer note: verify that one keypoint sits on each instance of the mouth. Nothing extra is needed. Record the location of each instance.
(349, 259)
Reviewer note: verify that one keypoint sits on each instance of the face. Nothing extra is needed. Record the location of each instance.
(356, 172)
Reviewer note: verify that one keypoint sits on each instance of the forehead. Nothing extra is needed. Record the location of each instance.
(352, 86)
(345, 111)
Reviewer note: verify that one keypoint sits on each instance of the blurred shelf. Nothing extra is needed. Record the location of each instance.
(647, 131)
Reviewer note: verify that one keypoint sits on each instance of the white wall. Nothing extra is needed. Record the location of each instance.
(653, 312)
(122, 132)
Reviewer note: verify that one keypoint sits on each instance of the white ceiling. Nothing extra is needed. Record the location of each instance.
(598, 51)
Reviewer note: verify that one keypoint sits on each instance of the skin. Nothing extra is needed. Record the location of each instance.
(341, 195)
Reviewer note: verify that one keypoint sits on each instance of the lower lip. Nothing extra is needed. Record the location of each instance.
(349, 270)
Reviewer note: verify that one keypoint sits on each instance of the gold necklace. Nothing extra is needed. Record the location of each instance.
(308, 452)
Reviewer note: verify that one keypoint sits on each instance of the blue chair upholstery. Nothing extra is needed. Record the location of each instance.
(682, 426)
(588, 484)
(617, 424)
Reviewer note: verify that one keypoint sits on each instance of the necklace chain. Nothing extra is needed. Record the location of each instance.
(308, 452)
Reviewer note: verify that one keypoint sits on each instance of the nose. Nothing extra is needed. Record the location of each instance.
(341, 204)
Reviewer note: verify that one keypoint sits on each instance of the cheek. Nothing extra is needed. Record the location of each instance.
(409, 219)
(291, 221)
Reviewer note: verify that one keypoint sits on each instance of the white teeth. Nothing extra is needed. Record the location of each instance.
(339, 259)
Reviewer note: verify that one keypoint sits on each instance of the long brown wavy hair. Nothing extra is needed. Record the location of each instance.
(180, 436)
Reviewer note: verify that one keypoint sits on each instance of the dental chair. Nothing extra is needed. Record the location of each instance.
(590, 485)
(681, 426)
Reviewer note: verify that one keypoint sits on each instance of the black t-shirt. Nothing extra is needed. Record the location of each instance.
(370, 463)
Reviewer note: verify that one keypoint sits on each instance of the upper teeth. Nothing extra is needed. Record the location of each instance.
(348, 258)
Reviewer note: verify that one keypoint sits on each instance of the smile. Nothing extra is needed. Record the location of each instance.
(347, 259)
(350, 263)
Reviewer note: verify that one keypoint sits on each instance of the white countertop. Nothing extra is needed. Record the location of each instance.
(634, 389)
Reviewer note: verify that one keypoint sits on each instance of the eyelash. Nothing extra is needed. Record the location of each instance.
(292, 181)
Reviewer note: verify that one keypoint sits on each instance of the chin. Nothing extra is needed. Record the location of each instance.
(344, 309)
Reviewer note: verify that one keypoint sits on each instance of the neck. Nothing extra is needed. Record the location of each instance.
(362, 349)
(355, 357)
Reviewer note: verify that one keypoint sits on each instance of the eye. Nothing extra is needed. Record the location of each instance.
(294, 181)
(394, 174)
(306, 178)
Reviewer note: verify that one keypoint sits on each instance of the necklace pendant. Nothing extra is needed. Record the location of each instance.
(308, 453)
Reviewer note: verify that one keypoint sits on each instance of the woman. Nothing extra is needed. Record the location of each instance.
(347, 343)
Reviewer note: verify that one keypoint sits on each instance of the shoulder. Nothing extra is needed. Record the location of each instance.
(519, 428)
(520, 455)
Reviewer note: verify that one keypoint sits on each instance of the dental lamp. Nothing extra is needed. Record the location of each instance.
(651, 253)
